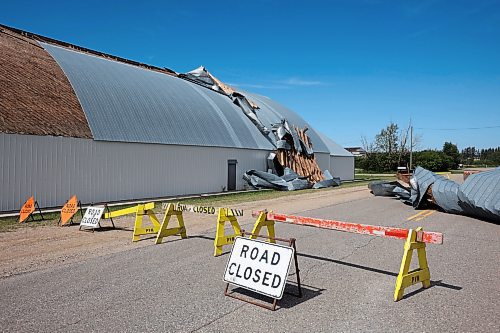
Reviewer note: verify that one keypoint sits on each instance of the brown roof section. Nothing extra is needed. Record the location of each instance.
(35, 95)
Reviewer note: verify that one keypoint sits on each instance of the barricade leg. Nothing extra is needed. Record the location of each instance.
(164, 231)
(422, 274)
(220, 238)
(262, 222)
(139, 229)
(138, 221)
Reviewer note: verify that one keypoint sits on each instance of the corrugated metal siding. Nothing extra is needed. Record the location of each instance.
(342, 166)
(54, 168)
(131, 104)
(323, 160)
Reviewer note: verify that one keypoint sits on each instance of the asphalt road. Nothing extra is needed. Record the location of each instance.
(348, 283)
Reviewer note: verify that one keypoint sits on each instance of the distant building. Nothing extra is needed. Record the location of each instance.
(356, 151)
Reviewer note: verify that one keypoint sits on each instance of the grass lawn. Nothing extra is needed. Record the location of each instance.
(11, 223)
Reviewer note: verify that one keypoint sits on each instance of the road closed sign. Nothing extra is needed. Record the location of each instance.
(259, 266)
(92, 217)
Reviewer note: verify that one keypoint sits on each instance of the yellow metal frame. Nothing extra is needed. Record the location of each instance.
(140, 210)
(130, 210)
(164, 231)
(422, 274)
(221, 239)
(263, 222)
(139, 229)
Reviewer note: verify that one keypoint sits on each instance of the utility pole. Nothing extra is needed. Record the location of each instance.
(411, 146)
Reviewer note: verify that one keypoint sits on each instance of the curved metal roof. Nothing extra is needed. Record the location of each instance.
(127, 103)
(335, 148)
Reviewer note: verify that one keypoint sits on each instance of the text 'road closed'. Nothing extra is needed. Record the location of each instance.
(259, 266)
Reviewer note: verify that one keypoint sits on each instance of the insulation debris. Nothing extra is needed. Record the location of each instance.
(478, 196)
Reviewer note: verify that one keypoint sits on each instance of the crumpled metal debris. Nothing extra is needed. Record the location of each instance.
(201, 76)
(386, 188)
(478, 196)
(290, 181)
(329, 181)
(284, 131)
(274, 165)
(283, 144)
(261, 179)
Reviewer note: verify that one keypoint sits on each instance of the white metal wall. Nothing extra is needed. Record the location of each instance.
(342, 166)
(323, 160)
(54, 168)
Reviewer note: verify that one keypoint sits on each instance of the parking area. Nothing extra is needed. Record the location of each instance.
(348, 279)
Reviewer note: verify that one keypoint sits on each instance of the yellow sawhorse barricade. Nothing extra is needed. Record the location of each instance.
(224, 215)
(140, 211)
(263, 222)
(221, 238)
(165, 231)
(422, 274)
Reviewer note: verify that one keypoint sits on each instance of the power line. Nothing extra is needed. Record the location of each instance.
(456, 129)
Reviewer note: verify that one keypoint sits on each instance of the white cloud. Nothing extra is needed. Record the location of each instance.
(293, 81)
(289, 83)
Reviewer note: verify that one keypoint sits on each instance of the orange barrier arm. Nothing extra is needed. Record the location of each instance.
(399, 233)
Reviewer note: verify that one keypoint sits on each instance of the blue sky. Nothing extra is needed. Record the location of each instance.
(348, 67)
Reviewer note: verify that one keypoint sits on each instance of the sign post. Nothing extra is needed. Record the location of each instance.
(261, 267)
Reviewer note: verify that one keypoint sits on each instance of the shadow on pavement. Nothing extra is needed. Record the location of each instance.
(290, 298)
(438, 283)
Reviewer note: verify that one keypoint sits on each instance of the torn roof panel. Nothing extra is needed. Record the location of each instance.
(270, 112)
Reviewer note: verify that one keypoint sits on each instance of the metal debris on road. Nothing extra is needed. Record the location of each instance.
(478, 196)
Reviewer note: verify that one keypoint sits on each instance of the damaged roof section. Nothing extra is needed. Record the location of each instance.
(205, 78)
(36, 98)
(293, 166)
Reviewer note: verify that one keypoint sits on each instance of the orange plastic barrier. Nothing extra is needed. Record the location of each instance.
(69, 210)
(27, 209)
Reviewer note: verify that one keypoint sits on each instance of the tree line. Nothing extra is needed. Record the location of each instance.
(473, 156)
(391, 149)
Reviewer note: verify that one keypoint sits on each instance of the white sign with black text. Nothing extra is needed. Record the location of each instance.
(92, 217)
(259, 266)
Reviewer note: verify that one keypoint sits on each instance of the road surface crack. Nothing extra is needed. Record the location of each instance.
(218, 318)
(69, 324)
